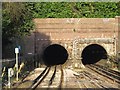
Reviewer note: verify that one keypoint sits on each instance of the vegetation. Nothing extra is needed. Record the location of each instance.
(74, 10)
(16, 20)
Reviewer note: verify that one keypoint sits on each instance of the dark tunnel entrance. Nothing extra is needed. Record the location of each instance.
(93, 53)
(55, 54)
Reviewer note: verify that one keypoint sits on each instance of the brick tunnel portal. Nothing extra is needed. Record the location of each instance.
(76, 36)
(93, 53)
(56, 54)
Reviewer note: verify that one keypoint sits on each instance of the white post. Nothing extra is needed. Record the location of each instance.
(10, 74)
(9, 82)
(17, 66)
(16, 51)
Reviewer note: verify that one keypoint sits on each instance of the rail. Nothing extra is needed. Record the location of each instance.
(106, 72)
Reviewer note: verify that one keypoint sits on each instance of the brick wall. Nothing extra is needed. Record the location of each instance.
(71, 27)
(119, 34)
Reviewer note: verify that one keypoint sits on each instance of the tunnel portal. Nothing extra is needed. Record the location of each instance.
(55, 54)
(93, 53)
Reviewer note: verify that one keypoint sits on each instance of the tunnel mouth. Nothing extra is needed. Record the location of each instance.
(93, 53)
(55, 54)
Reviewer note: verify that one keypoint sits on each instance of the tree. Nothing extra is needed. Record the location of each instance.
(16, 21)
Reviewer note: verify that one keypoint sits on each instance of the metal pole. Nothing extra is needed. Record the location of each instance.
(16, 66)
(35, 43)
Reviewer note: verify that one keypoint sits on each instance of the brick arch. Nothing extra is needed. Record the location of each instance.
(102, 45)
(93, 53)
(80, 44)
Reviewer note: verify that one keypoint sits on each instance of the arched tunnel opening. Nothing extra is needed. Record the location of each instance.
(55, 54)
(93, 53)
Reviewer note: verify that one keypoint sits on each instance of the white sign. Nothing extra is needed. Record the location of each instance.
(16, 50)
(10, 72)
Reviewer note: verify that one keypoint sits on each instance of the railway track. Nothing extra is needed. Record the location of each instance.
(98, 82)
(93, 78)
(57, 77)
(40, 78)
(46, 74)
(93, 81)
(109, 70)
(113, 75)
(61, 78)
